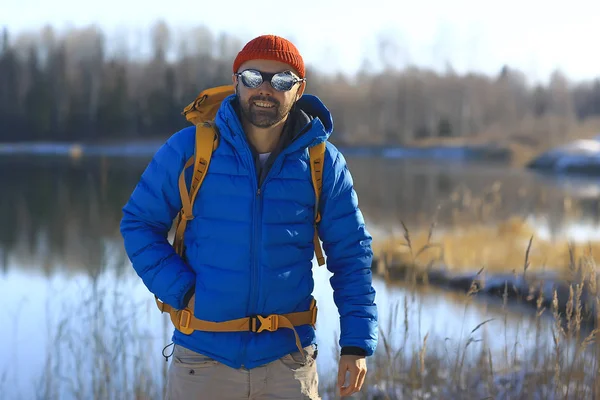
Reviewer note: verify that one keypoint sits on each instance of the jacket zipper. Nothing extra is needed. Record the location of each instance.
(255, 281)
(250, 308)
(257, 239)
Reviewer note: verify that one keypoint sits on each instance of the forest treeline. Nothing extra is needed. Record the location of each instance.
(79, 86)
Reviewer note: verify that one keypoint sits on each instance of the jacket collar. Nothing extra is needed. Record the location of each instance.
(311, 124)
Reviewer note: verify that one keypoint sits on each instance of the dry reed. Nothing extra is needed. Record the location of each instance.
(566, 370)
(110, 357)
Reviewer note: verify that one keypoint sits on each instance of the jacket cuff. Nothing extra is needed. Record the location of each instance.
(353, 351)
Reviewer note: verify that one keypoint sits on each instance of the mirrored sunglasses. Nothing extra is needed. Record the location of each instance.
(280, 81)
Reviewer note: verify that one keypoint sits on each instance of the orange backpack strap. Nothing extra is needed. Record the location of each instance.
(199, 112)
(206, 142)
(317, 157)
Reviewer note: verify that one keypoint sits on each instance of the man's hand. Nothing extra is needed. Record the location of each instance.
(357, 366)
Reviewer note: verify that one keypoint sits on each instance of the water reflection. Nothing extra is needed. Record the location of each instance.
(60, 244)
(420, 191)
(57, 213)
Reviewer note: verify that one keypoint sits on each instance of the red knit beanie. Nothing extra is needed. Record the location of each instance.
(270, 47)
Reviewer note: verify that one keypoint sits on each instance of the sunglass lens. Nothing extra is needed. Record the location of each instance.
(251, 79)
(282, 82)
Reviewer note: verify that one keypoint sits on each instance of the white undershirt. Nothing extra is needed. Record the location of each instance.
(263, 158)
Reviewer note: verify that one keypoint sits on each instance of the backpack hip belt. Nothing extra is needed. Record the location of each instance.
(185, 321)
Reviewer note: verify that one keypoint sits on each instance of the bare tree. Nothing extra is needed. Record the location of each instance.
(70, 86)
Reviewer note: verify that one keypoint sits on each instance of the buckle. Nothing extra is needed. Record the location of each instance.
(185, 318)
(259, 323)
(184, 216)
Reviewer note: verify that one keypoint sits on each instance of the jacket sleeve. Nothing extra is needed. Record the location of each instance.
(347, 245)
(147, 219)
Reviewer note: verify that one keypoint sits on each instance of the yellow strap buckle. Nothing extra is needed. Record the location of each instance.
(185, 318)
(185, 216)
(269, 323)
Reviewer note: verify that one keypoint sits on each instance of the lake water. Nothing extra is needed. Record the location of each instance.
(73, 306)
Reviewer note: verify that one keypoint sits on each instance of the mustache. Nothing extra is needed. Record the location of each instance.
(264, 98)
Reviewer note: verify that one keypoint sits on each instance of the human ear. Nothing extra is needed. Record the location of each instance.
(300, 91)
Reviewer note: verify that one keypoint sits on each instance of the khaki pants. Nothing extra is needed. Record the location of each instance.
(194, 376)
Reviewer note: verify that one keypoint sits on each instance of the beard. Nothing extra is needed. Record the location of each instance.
(263, 117)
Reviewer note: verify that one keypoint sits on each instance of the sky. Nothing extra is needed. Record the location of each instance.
(534, 36)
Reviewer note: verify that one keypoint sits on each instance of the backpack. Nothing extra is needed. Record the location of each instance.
(201, 113)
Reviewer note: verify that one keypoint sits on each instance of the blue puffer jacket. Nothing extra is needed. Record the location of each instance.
(250, 252)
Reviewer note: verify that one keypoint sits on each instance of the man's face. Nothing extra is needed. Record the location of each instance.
(264, 106)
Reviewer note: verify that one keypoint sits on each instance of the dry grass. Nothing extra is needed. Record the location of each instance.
(101, 351)
(477, 232)
(111, 358)
(498, 248)
(565, 369)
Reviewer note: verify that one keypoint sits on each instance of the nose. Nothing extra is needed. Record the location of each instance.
(265, 88)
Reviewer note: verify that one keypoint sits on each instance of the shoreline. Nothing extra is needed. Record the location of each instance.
(538, 290)
(506, 153)
(488, 153)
